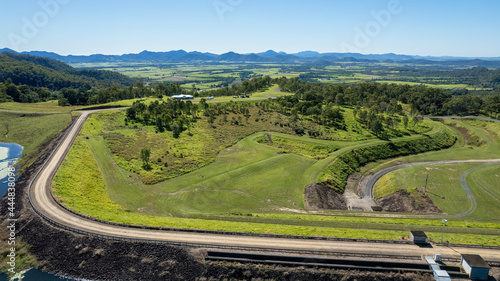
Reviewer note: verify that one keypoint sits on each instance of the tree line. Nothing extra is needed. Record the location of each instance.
(172, 115)
(29, 79)
(389, 98)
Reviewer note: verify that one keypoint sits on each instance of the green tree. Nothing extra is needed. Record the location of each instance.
(145, 154)
(492, 105)
(177, 129)
(13, 92)
(376, 127)
(63, 102)
(159, 125)
(339, 99)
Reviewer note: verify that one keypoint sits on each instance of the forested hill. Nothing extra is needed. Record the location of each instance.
(55, 75)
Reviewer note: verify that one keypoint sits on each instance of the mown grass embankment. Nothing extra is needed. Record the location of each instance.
(245, 177)
(97, 204)
(231, 189)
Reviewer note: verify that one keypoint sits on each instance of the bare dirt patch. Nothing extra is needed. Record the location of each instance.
(408, 202)
(318, 196)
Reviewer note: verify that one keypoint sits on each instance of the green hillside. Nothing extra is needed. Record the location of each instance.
(48, 73)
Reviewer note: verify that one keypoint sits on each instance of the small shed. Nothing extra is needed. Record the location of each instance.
(475, 266)
(418, 237)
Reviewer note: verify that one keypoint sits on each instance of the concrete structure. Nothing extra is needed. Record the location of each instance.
(418, 237)
(441, 275)
(475, 266)
(437, 257)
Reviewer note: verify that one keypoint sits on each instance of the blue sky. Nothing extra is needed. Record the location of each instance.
(414, 27)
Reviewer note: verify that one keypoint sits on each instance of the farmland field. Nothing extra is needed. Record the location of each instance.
(211, 76)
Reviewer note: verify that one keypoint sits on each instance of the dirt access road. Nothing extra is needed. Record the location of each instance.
(44, 204)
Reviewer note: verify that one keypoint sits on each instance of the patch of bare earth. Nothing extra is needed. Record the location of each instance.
(320, 197)
(405, 202)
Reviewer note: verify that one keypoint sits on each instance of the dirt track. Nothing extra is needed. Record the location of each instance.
(45, 204)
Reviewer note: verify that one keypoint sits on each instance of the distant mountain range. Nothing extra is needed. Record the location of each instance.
(181, 56)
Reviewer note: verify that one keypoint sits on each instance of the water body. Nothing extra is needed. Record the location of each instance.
(9, 153)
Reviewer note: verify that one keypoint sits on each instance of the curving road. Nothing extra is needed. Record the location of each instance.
(368, 182)
(45, 205)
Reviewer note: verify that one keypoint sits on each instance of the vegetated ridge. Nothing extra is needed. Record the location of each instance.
(52, 74)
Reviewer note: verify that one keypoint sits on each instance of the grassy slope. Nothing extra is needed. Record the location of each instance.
(270, 93)
(106, 209)
(483, 183)
(444, 180)
(488, 132)
(30, 130)
(138, 198)
(172, 157)
(49, 106)
(334, 171)
(86, 185)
